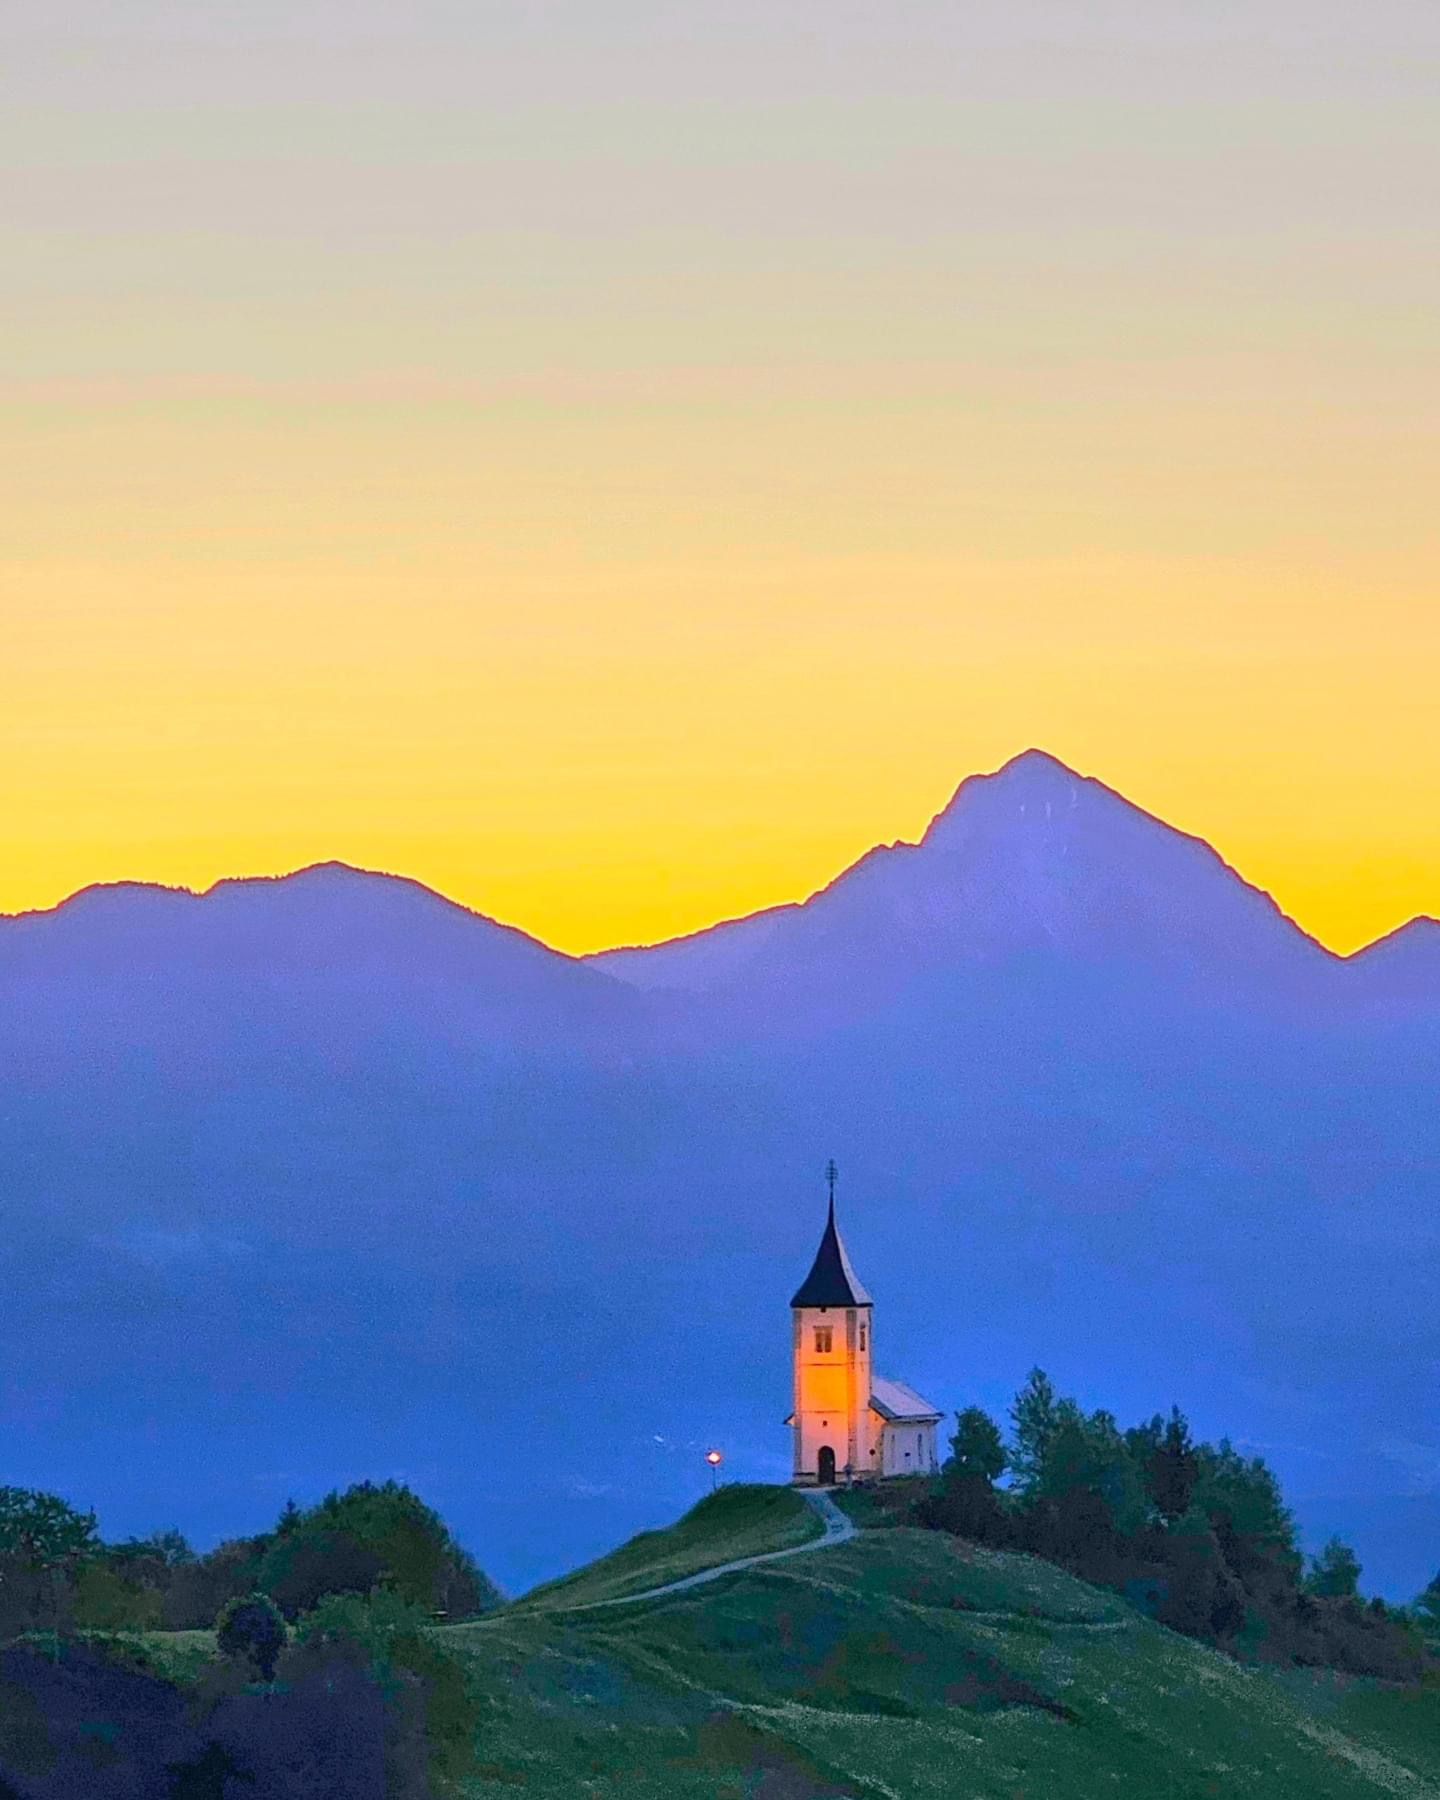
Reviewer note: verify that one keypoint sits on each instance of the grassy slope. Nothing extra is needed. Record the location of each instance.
(907, 1664)
(739, 1520)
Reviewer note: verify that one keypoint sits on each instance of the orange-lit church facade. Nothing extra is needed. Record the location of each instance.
(849, 1424)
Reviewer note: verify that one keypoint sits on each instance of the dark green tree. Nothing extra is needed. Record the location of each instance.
(977, 1447)
(42, 1529)
(1241, 1498)
(46, 1536)
(1034, 1419)
(1335, 1572)
(1089, 1454)
(251, 1627)
(1172, 1469)
(372, 1536)
(1427, 1607)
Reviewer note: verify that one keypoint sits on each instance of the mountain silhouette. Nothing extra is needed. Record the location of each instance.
(322, 1177)
(1033, 860)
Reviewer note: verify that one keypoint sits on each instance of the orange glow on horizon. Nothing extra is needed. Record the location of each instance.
(599, 780)
(620, 501)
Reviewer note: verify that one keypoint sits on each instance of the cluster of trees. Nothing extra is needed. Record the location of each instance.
(57, 1575)
(1195, 1533)
(329, 1681)
(355, 1698)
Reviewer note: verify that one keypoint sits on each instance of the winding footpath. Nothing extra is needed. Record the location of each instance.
(838, 1530)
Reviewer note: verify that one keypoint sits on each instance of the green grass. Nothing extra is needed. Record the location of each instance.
(738, 1520)
(903, 1665)
(907, 1664)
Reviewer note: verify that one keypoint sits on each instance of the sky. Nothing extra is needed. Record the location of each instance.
(616, 463)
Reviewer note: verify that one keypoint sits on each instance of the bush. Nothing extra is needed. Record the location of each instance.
(252, 1627)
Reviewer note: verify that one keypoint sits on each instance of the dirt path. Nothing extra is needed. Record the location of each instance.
(838, 1530)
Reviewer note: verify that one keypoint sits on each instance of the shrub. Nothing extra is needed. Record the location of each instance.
(252, 1627)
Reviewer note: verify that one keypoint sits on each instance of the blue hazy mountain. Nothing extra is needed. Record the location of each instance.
(321, 1177)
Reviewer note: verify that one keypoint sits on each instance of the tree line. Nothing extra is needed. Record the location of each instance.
(328, 1680)
(1195, 1534)
(57, 1574)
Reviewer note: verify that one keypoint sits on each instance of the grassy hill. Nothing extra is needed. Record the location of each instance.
(739, 1520)
(908, 1664)
(901, 1664)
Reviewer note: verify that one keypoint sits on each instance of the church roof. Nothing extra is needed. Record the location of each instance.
(831, 1281)
(893, 1400)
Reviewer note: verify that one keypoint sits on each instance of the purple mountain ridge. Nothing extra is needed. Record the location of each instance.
(1403, 967)
(318, 1177)
(1032, 859)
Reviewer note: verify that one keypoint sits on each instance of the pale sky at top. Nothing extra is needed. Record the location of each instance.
(615, 463)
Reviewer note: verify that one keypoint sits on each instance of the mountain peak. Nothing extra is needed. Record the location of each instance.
(1034, 763)
(1031, 784)
(1032, 857)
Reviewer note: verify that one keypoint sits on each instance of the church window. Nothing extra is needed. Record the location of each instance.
(822, 1339)
(862, 1337)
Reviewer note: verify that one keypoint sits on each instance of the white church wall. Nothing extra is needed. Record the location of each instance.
(832, 1390)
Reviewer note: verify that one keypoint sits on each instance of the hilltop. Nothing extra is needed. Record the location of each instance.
(907, 1663)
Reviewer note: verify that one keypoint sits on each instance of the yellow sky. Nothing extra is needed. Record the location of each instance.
(617, 480)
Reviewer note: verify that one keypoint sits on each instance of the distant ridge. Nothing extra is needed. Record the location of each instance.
(1033, 857)
(297, 1172)
(698, 959)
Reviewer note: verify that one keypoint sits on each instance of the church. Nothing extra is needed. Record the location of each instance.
(849, 1424)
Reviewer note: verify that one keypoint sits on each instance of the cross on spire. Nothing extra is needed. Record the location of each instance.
(832, 1175)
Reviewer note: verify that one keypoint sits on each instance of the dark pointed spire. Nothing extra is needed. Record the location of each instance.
(831, 1281)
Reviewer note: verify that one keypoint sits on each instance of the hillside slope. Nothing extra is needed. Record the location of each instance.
(908, 1664)
(742, 1519)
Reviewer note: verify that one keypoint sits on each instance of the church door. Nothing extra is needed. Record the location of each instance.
(827, 1466)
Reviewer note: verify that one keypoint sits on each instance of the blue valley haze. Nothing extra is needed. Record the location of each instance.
(322, 1177)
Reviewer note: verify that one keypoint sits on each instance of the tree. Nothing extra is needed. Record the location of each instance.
(977, 1447)
(1241, 1498)
(1172, 1469)
(1088, 1454)
(372, 1536)
(252, 1628)
(1035, 1417)
(1335, 1572)
(303, 1567)
(1427, 1608)
(42, 1529)
(45, 1535)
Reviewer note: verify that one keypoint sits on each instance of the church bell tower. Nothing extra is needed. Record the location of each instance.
(836, 1440)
